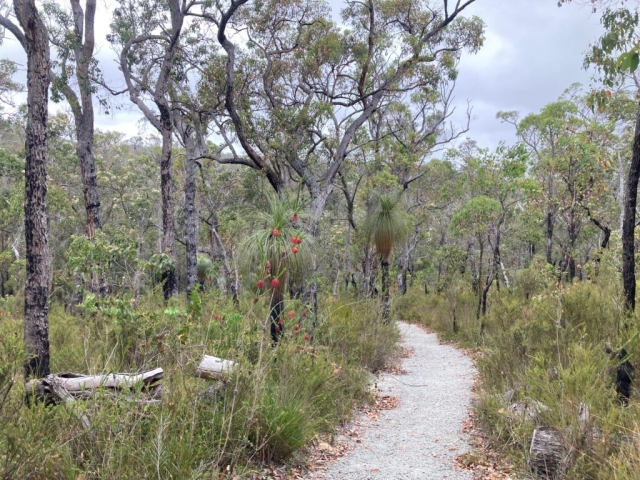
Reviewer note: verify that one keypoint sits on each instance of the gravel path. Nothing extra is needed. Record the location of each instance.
(420, 438)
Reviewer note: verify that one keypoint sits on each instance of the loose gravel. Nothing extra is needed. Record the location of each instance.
(421, 438)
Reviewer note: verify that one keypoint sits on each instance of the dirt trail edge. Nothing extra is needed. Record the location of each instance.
(421, 438)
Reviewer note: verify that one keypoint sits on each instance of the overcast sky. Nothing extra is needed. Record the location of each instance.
(532, 53)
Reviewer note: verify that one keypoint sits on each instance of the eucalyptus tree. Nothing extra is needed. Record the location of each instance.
(311, 77)
(72, 33)
(616, 57)
(148, 44)
(478, 217)
(573, 146)
(32, 34)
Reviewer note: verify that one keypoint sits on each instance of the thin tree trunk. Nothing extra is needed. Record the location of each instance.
(550, 220)
(629, 223)
(386, 303)
(169, 286)
(190, 212)
(36, 308)
(479, 290)
(621, 191)
(275, 315)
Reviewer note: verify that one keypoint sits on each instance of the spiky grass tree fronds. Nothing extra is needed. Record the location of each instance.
(386, 224)
(204, 269)
(273, 256)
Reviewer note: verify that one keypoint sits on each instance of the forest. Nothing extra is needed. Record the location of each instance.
(302, 188)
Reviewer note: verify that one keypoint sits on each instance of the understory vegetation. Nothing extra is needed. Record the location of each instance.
(542, 362)
(275, 402)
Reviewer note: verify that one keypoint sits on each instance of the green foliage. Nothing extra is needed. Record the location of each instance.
(276, 402)
(544, 351)
(386, 223)
(476, 216)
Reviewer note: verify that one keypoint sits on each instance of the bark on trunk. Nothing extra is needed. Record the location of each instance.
(629, 223)
(84, 116)
(275, 315)
(405, 261)
(386, 303)
(190, 213)
(36, 308)
(166, 186)
(550, 221)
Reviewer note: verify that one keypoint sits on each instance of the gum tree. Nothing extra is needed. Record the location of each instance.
(32, 34)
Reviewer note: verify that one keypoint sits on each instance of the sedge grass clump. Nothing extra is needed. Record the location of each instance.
(355, 331)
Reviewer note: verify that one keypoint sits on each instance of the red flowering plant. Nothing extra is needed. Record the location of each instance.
(275, 257)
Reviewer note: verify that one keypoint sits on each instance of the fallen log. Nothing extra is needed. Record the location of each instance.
(54, 389)
(213, 367)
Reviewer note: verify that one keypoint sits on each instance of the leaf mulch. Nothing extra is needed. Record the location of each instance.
(483, 461)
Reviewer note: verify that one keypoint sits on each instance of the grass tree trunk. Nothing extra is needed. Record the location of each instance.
(629, 223)
(36, 310)
(386, 301)
(276, 306)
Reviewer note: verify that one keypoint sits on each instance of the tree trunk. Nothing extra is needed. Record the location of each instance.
(169, 286)
(275, 314)
(405, 261)
(194, 152)
(479, 288)
(386, 303)
(36, 309)
(550, 221)
(629, 223)
(84, 117)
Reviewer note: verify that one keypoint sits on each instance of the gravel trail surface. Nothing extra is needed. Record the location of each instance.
(421, 438)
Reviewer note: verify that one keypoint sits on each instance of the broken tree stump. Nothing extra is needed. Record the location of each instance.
(214, 368)
(547, 453)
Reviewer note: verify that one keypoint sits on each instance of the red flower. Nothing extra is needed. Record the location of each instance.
(216, 317)
(275, 232)
(304, 314)
(294, 217)
(260, 284)
(274, 283)
(277, 328)
(294, 250)
(296, 329)
(294, 240)
(307, 338)
(292, 314)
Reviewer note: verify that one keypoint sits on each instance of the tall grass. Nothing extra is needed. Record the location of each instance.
(278, 400)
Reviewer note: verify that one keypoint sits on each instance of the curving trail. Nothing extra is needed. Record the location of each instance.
(421, 438)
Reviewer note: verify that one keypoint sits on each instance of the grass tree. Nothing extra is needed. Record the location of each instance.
(275, 255)
(387, 224)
